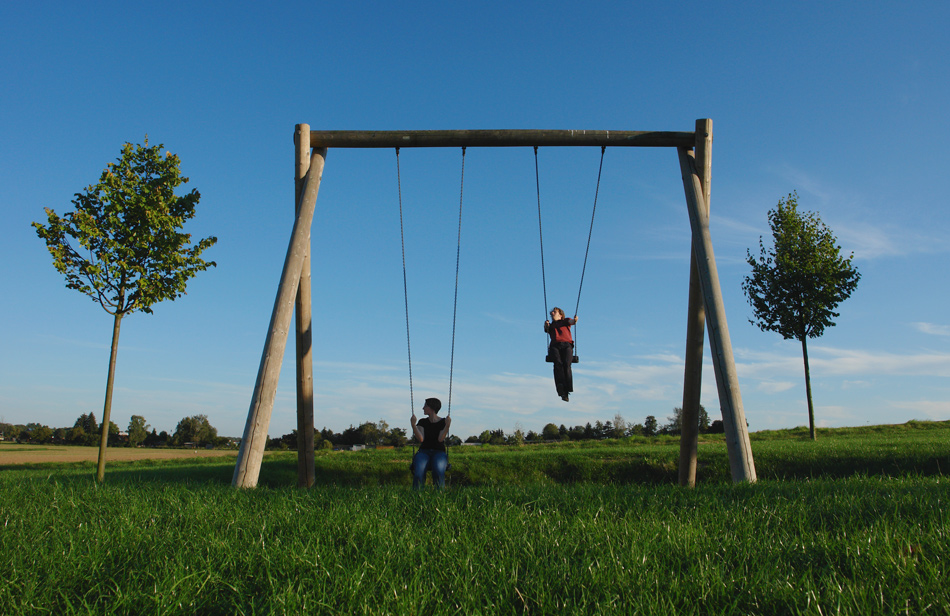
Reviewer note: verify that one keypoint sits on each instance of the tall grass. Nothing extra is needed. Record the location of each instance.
(174, 538)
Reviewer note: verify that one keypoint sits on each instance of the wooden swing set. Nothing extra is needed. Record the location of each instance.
(706, 310)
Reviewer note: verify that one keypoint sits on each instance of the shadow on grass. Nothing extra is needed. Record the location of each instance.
(201, 471)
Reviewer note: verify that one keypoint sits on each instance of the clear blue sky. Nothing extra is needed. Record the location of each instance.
(845, 103)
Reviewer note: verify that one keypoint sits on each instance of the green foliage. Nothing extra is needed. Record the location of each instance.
(675, 421)
(795, 288)
(84, 431)
(10, 431)
(122, 245)
(649, 426)
(195, 429)
(138, 430)
(113, 433)
(550, 432)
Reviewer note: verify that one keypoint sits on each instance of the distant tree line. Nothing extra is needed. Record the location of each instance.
(368, 433)
(197, 431)
(194, 431)
(599, 430)
(381, 435)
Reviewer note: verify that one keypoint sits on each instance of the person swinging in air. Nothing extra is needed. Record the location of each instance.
(430, 431)
(561, 351)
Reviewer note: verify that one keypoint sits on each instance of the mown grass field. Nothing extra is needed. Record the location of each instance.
(855, 523)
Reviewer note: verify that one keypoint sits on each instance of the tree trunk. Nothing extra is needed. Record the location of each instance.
(107, 409)
(811, 408)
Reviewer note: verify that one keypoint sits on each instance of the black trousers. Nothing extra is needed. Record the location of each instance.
(563, 355)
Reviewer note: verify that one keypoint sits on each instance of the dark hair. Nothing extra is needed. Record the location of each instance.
(434, 403)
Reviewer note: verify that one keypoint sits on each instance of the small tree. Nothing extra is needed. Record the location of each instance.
(795, 288)
(138, 430)
(84, 430)
(675, 425)
(619, 428)
(195, 429)
(122, 245)
(649, 426)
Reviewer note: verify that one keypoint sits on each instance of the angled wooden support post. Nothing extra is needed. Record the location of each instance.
(248, 466)
(695, 324)
(306, 470)
(730, 399)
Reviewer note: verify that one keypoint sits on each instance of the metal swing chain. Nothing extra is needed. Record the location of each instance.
(537, 181)
(603, 149)
(458, 251)
(405, 286)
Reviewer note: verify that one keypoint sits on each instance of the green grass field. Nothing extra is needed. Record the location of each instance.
(855, 523)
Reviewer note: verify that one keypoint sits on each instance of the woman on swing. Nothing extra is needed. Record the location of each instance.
(561, 351)
(430, 431)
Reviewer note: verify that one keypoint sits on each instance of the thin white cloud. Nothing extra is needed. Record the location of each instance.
(932, 329)
(867, 241)
(774, 387)
(856, 234)
(841, 362)
(926, 409)
(866, 363)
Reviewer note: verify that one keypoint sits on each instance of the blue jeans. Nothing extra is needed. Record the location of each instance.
(429, 460)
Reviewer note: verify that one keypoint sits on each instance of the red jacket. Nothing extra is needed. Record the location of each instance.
(560, 330)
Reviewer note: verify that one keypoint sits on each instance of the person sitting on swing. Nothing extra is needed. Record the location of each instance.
(561, 351)
(430, 431)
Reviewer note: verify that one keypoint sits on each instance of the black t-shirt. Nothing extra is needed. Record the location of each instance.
(430, 433)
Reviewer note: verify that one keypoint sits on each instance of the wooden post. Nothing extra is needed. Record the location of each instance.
(730, 399)
(248, 466)
(695, 324)
(306, 470)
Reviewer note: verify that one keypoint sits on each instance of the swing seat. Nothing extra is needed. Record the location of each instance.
(574, 360)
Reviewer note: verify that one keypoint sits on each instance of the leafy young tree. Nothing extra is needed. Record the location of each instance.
(123, 245)
(138, 430)
(795, 287)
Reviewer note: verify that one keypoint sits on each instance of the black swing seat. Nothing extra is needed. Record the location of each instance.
(574, 360)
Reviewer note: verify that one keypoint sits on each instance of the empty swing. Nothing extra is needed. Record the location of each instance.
(435, 463)
(549, 357)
